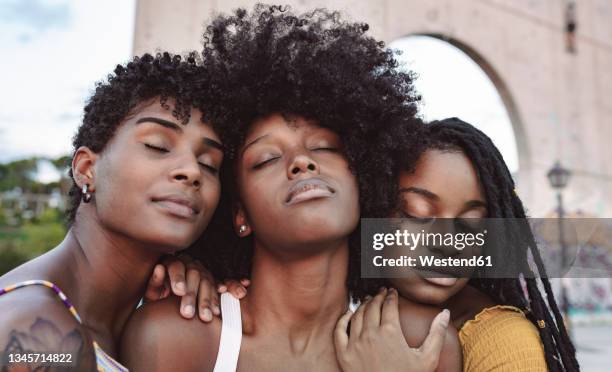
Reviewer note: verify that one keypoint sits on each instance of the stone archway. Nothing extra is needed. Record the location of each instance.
(558, 102)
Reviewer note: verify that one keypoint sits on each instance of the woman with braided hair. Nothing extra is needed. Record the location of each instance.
(499, 325)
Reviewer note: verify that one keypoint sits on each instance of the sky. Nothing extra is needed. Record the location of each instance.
(444, 72)
(55, 50)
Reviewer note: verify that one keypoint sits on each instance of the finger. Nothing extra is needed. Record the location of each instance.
(155, 287)
(208, 298)
(216, 305)
(176, 272)
(221, 288)
(341, 338)
(236, 289)
(357, 320)
(207, 279)
(371, 315)
(390, 309)
(189, 298)
(205, 302)
(432, 346)
(245, 282)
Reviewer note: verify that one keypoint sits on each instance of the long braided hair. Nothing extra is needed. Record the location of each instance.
(502, 202)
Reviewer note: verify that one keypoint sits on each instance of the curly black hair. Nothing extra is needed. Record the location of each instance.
(164, 75)
(318, 66)
(503, 202)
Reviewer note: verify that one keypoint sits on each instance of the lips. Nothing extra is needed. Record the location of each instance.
(308, 189)
(178, 205)
(437, 279)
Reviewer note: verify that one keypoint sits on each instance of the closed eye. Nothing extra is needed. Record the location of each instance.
(156, 148)
(209, 168)
(329, 149)
(418, 220)
(265, 162)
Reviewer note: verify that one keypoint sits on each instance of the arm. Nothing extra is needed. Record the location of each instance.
(157, 338)
(35, 324)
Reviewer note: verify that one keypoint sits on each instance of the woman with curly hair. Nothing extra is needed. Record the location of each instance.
(145, 171)
(310, 110)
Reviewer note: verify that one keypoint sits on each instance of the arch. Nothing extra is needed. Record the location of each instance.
(523, 150)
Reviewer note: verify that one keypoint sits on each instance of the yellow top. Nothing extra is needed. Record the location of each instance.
(501, 338)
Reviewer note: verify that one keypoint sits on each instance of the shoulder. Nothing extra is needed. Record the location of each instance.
(502, 335)
(416, 319)
(33, 319)
(156, 337)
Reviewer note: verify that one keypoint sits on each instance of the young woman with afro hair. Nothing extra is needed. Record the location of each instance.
(312, 112)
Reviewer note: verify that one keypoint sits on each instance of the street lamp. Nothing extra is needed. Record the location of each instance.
(558, 178)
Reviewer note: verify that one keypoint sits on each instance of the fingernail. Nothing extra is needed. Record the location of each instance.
(216, 310)
(222, 288)
(188, 310)
(381, 289)
(207, 315)
(241, 292)
(180, 286)
(445, 318)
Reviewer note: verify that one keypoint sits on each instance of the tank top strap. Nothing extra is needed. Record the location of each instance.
(231, 334)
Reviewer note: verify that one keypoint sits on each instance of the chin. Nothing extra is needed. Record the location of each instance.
(171, 241)
(427, 294)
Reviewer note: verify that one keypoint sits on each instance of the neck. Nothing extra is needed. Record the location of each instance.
(106, 274)
(299, 299)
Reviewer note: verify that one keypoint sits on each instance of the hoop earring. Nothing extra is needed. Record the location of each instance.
(86, 194)
(242, 229)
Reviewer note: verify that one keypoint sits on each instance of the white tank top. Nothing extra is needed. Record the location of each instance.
(231, 333)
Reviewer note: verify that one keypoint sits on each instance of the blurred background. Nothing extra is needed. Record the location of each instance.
(535, 75)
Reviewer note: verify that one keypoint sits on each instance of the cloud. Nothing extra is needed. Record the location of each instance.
(25, 20)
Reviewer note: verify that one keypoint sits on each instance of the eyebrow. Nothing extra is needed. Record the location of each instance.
(162, 122)
(175, 127)
(476, 204)
(426, 193)
(252, 143)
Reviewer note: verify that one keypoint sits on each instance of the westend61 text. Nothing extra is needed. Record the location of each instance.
(432, 261)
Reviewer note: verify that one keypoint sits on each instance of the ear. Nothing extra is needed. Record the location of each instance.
(83, 164)
(240, 219)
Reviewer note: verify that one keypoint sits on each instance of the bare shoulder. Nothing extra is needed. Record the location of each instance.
(157, 338)
(416, 319)
(34, 320)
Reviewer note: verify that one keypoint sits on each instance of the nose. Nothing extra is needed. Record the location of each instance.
(443, 226)
(188, 172)
(302, 164)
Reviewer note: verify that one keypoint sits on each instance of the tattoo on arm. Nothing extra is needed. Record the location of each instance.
(43, 336)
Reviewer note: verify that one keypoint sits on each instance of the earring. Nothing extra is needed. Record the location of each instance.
(86, 194)
(242, 229)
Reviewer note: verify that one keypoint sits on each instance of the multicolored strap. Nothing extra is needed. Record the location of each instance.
(48, 284)
(104, 362)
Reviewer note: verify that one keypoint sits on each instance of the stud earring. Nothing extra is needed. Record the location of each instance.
(86, 194)
(242, 229)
